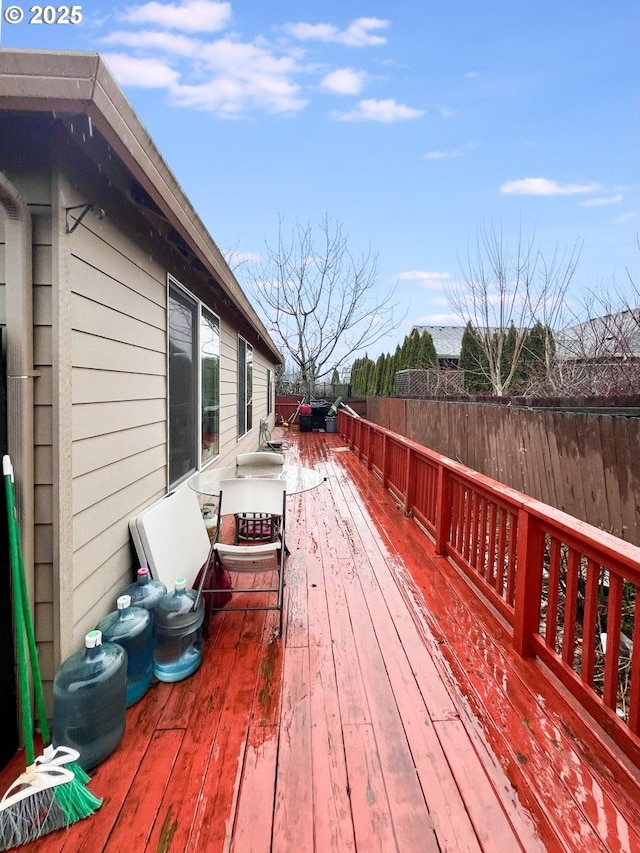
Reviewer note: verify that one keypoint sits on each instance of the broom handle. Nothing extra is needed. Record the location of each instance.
(18, 613)
(36, 676)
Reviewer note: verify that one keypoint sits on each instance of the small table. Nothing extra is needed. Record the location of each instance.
(297, 478)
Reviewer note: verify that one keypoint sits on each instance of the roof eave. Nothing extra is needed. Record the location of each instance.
(73, 83)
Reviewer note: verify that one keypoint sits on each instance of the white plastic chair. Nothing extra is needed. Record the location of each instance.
(260, 457)
(257, 496)
(257, 527)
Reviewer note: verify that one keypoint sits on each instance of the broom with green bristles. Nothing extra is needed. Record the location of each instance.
(51, 793)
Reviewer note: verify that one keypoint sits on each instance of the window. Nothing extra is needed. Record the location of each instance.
(194, 384)
(245, 386)
(183, 332)
(210, 385)
(269, 391)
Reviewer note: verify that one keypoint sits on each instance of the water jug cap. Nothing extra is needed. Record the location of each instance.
(180, 583)
(143, 572)
(93, 639)
(123, 602)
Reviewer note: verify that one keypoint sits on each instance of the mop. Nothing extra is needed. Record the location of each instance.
(51, 793)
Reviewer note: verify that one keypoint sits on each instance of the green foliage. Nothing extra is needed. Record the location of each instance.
(417, 351)
(369, 378)
(390, 373)
(474, 362)
(509, 344)
(427, 356)
(538, 354)
(379, 375)
(531, 365)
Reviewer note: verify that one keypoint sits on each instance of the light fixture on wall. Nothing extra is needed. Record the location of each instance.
(72, 223)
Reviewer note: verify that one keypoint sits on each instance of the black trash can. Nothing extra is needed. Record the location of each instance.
(319, 409)
(306, 423)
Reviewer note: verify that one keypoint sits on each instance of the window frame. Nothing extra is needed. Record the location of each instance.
(270, 396)
(244, 385)
(211, 417)
(180, 294)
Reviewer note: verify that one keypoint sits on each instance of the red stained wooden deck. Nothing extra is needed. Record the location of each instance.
(392, 714)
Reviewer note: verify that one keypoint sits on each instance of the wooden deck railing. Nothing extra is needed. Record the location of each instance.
(566, 589)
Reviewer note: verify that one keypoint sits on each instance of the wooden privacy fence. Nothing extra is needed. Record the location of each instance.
(566, 589)
(585, 464)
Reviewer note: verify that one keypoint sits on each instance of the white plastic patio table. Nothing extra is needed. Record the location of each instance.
(298, 478)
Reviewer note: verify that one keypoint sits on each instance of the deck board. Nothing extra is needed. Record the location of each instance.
(392, 714)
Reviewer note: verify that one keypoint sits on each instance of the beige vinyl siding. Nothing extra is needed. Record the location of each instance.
(228, 395)
(260, 384)
(118, 407)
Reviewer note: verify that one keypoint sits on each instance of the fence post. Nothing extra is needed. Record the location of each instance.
(407, 482)
(384, 460)
(529, 561)
(443, 510)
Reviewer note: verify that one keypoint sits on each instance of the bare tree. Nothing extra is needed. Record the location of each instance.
(321, 303)
(600, 354)
(503, 292)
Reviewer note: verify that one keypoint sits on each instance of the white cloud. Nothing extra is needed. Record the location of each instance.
(426, 279)
(236, 258)
(233, 77)
(629, 216)
(359, 33)
(179, 45)
(447, 112)
(451, 153)
(344, 81)
(167, 45)
(598, 202)
(385, 112)
(262, 284)
(190, 16)
(245, 60)
(543, 186)
(470, 75)
(439, 320)
(231, 97)
(148, 73)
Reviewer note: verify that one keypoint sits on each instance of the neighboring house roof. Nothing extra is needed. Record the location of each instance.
(74, 83)
(447, 340)
(611, 336)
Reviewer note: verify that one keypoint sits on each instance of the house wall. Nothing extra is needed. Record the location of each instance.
(101, 398)
(119, 447)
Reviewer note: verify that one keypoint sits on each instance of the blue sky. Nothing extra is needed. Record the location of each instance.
(410, 123)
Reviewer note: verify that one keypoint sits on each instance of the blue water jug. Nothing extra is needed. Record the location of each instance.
(145, 591)
(132, 628)
(89, 700)
(177, 630)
